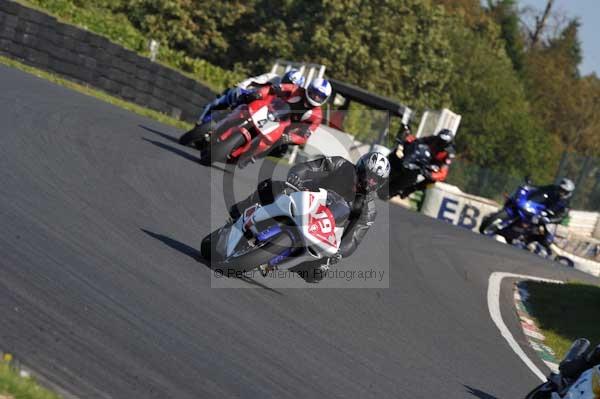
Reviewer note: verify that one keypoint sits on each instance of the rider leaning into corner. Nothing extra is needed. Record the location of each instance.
(557, 198)
(305, 103)
(354, 184)
(442, 154)
(234, 96)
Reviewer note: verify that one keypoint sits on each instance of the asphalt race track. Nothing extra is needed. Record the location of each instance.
(101, 214)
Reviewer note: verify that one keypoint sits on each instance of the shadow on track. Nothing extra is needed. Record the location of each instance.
(479, 394)
(195, 254)
(175, 150)
(176, 245)
(161, 134)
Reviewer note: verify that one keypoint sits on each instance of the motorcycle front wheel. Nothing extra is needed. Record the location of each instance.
(195, 135)
(489, 224)
(221, 150)
(563, 260)
(543, 391)
(256, 257)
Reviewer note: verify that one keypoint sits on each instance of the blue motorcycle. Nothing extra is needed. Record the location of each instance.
(523, 218)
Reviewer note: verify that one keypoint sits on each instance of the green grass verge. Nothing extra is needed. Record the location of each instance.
(97, 17)
(17, 387)
(565, 312)
(160, 117)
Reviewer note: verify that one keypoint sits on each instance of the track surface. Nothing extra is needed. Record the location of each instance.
(100, 292)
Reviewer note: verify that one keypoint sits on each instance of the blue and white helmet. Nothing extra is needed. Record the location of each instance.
(293, 76)
(318, 92)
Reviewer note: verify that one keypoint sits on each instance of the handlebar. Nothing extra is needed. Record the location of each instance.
(290, 185)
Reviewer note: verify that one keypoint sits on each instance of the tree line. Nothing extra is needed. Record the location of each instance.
(511, 72)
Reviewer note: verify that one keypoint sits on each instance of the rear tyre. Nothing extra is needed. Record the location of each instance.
(220, 150)
(489, 224)
(259, 256)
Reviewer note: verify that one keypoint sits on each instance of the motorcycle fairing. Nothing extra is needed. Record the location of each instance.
(318, 223)
(262, 115)
(307, 210)
(587, 385)
(264, 120)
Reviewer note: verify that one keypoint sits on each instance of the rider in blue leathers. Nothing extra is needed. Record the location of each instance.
(234, 96)
(557, 203)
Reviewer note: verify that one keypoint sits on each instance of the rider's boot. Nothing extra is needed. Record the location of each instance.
(245, 161)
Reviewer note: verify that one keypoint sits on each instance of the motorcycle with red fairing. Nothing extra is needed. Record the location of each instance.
(248, 132)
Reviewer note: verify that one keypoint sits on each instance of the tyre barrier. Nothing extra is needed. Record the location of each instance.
(39, 40)
(448, 203)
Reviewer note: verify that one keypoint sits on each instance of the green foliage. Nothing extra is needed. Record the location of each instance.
(506, 15)
(521, 106)
(565, 312)
(566, 103)
(498, 130)
(20, 388)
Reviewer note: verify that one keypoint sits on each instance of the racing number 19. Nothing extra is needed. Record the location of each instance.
(324, 222)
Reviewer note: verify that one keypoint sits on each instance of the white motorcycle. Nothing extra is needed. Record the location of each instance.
(571, 383)
(299, 227)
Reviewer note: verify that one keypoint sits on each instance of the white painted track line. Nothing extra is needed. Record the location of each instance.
(493, 299)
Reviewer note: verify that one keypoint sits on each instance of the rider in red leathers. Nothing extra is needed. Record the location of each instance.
(305, 104)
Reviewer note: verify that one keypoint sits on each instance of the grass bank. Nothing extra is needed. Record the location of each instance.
(565, 312)
(13, 386)
(95, 93)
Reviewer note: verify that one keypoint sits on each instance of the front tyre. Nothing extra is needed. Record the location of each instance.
(563, 260)
(208, 246)
(258, 256)
(543, 391)
(492, 224)
(195, 136)
(220, 151)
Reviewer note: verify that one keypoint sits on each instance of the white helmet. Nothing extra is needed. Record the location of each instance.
(372, 170)
(566, 188)
(318, 92)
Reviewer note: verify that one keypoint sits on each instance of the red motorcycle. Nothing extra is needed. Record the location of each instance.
(249, 131)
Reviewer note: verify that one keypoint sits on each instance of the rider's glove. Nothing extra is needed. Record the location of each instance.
(295, 180)
(427, 173)
(276, 89)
